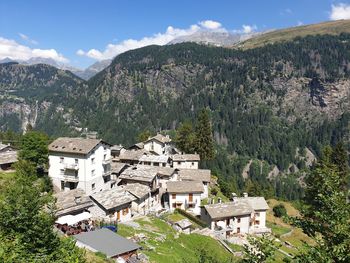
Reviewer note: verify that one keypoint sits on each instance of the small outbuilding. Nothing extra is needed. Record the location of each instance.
(107, 242)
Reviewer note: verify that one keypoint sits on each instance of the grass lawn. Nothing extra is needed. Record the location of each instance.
(278, 230)
(164, 244)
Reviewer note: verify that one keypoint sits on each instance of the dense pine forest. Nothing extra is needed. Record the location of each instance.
(266, 104)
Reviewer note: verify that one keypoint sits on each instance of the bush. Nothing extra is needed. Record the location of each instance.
(279, 210)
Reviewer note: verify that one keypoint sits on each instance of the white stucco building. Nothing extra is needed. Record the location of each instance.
(185, 195)
(202, 175)
(185, 161)
(80, 163)
(246, 215)
(158, 144)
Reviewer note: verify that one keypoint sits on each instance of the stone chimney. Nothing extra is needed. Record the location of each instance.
(245, 194)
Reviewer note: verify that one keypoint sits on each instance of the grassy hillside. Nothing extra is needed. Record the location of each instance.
(330, 27)
(161, 240)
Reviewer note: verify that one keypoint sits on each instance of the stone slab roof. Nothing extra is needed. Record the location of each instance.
(70, 201)
(160, 138)
(117, 167)
(154, 158)
(136, 189)
(8, 157)
(141, 173)
(107, 242)
(185, 157)
(202, 175)
(164, 171)
(229, 209)
(185, 187)
(113, 198)
(184, 223)
(74, 145)
(133, 155)
(257, 203)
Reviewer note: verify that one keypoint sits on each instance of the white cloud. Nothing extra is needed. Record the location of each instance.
(11, 49)
(28, 39)
(340, 11)
(210, 24)
(300, 23)
(170, 34)
(246, 29)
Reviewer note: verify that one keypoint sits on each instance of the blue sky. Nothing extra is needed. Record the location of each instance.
(78, 32)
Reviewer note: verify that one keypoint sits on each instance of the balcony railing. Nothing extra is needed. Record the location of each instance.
(71, 178)
(71, 166)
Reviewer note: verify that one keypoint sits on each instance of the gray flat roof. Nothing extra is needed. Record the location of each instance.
(107, 242)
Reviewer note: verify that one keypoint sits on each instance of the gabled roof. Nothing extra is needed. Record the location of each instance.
(164, 171)
(179, 187)
(186, 157)
(107, 242)
(229, 209)
(113, 198)
(202, 175)
(133, 155)
(4, 146)
(141, 173)
(8, 157)
(138, 190)
(71, 201)
(117, 167)
(154, 158)
(74, 145)
(257, 203)
(160, 138)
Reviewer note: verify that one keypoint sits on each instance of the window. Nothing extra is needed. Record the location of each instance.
(61, 159)
(92, 160)
(178, 162)
(257, 222)
(257, 214)
(125, 211)
(238, 220)
(173, 196)
(238, 230)
(104, 157)
(174, 205)
(62, 172)
(76, 161)
(93, 187)
(164, 164)
(190, 205)
(192, 163)
(62, 185)
(92, 172)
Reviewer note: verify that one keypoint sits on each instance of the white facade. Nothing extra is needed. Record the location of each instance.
(205, 194)
(142, 205)
(185, 164)
(182, 201)
(90, 172)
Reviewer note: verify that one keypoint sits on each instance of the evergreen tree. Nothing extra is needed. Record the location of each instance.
(34, 148)
(326, 214)
(204, 136)
(185, 138)
(143, 136)
(26, 232)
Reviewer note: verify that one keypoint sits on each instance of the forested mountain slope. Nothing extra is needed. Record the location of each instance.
(265, 102)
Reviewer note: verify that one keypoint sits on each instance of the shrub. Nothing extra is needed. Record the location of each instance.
(279, 210)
